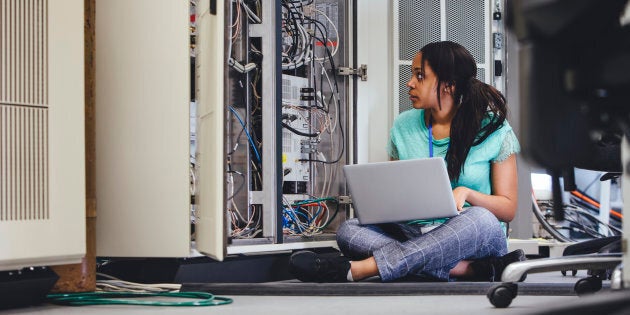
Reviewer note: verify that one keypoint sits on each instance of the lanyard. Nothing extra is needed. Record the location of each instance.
(430, 137)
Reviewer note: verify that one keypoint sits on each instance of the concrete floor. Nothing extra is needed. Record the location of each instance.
(302, 305)
(305, 305)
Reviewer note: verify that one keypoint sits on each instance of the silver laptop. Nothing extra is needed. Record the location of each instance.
(400, 190)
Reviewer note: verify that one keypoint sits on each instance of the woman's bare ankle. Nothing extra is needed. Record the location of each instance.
(362, 269)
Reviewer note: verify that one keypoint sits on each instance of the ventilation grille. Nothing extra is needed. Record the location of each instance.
(420, 22)
(24, 163)
(287, 141)
(465, 20)
(23, 110)
(481, 74)
(418, 25)
(23, 52)
(404, 103)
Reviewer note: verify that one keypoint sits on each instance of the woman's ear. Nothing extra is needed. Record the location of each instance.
(449, 88)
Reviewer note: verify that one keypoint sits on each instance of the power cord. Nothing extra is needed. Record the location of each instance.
(120, 298)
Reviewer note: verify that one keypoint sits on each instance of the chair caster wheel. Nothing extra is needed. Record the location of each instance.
(501, 295)
(587, 285)
(573, 272)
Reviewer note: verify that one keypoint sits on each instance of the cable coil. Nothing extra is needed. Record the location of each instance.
(121, 298)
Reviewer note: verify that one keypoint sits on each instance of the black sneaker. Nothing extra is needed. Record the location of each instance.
(491, 268)
(308, 266)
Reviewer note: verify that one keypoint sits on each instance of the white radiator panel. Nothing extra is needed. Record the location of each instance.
(24, 166)
(42, 155)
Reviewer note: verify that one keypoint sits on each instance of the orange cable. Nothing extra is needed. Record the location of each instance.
(595, 203)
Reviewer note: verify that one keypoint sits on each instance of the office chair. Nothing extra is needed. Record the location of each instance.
(575, 82)
(599, 256)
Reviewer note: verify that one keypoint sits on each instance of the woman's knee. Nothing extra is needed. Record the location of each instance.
(478, 212)
(483, 216)
(346, 230)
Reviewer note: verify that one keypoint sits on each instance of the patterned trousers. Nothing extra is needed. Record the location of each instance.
(401, 249)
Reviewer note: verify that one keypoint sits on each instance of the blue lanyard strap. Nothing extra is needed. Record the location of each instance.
(430, 137)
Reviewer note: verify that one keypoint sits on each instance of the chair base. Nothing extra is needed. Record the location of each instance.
(501, 295)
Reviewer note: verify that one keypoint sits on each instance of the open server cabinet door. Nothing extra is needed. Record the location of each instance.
(142, 128)
(210, 214)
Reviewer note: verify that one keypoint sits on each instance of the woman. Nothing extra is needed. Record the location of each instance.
(463, 120)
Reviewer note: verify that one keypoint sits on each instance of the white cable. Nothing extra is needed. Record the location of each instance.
(193, 186)
(246, 231)
(252, 16)
(233, 36)
(539, 215)
(115, 284)
(325, 222)
(335, 170)
(336, 118)
(325, 166)
(612, 229)
(229, 52)
(303, 46)
(301, 59)
(334, 96)
(336, 47)
(239, 67)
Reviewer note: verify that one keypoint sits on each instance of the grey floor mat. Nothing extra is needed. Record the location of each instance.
(296, 288)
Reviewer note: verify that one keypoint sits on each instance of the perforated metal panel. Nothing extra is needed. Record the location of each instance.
(404, 103)
(23, 110)
(481, 74)
(465, 20)
(418, 24)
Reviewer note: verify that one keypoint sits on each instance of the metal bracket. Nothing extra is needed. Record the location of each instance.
(345, 200)
(256, 197)
(361, 72)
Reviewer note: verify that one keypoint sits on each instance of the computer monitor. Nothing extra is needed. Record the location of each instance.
(574, 83)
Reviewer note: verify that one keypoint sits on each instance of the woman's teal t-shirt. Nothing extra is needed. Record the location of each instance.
(409, 139)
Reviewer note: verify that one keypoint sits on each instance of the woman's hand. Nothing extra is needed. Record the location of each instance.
(461, 194)
(504, 198)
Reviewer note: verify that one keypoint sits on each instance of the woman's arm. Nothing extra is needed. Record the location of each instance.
(504, 198)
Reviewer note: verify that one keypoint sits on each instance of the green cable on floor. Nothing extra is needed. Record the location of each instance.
(111, 298)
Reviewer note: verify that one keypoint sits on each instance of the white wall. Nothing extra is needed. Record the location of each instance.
(521, 226)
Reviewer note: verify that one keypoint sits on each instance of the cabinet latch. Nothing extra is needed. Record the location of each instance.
(361, 72)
